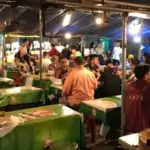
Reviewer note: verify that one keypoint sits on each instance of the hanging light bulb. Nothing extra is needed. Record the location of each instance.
(68, 36)
(67, 19)
(98, 20)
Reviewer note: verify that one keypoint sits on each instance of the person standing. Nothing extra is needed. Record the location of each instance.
(116, 56)
(53, 51)
(137, 103)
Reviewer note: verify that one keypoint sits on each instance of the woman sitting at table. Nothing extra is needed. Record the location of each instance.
(45, 61)
(63, 69)
(54, 65)
(137, 103)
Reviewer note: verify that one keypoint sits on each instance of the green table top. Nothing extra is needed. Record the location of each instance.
(64, 126)
(106, 110)
(21, 95)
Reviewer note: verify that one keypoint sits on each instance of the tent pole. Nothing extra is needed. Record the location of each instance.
(41, 38)
(3, 50)
(124, 48)
(140, 44)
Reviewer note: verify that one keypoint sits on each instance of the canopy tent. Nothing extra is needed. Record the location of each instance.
(83, 6)
(18, 17)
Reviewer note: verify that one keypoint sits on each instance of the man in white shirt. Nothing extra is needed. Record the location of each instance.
(117, 51)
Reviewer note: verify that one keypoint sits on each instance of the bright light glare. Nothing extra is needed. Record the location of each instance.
(68, 36)
(98, 20)
(134, 29)
(67, 19)
(137, 39)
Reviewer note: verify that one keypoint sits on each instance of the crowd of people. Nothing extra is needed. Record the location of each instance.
(85, 78)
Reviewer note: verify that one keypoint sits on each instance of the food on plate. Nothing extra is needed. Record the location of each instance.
(42, 113)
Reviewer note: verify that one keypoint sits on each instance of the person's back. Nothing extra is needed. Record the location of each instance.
(79, 86)
(137, 103)
(112, 83)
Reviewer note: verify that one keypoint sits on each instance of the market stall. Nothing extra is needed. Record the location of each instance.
(56, 126)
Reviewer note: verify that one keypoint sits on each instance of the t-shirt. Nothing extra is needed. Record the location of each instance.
(46, 61)
(116, 53)
(53, 52)
(137, 106)
(79, 86)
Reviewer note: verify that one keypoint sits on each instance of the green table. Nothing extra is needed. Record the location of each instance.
(56, 90)
(99, 108)
(12, 74)
(64, 127)
(46, 84)
(21, 95)
(6, 83)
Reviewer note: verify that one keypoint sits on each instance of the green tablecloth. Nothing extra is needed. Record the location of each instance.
(65, 126)
(46, 84)
(6, 83)
(19, 95)
(109, 116)
(56, 91)
(12, 74)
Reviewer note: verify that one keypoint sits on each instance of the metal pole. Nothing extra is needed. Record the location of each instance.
(41, 39)
(140, 44)
(124, 47)
(3, 49)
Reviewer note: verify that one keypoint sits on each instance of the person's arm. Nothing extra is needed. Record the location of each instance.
(67, 88)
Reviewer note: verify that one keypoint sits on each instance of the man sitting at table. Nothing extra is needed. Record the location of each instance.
(93, 65)
(137, 103)
(63, 70)
(79, 85)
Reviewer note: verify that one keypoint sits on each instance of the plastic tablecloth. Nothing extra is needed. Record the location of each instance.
(65, 126)
(6, 82)
(109, 115)
(21, 95)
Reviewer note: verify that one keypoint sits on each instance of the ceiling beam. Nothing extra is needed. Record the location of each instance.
(97, 7)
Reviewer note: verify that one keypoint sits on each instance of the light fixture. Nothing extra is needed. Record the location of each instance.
(135, 27)
(137, 39)
(98, 20)
(67, 19)
(68, 36)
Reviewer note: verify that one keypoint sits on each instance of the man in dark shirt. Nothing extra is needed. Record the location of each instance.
(137, 102)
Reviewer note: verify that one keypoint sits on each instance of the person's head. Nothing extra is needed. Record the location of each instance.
(93, 60)
(53, 45)
(99, 45)
(146, 58)
(109, 64)
(142, 71)
(133, 63)
(92, 45)
(32, 62)
(25, 42)
(73, 49)
(79, 61)
(63, 62)
(117, 43)
(45, 55)
(55, 59)
(130, 57)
